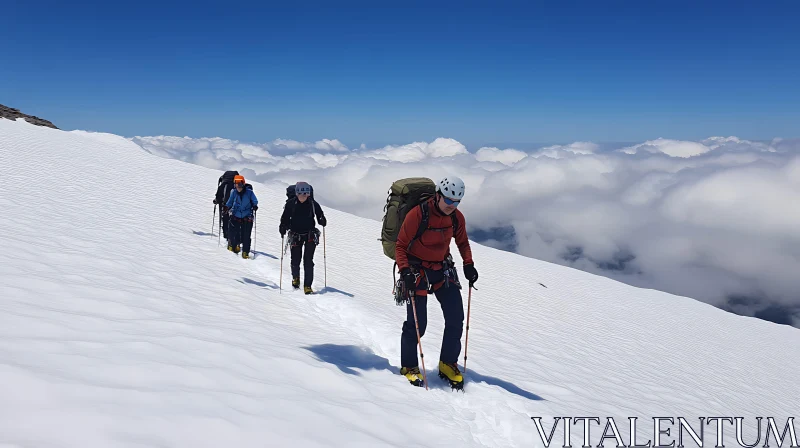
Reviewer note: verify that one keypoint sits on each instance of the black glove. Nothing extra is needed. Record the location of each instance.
(471, 274)
(322, 221)
(255, 208)
(282, 230)
(215, 201)
(409, 279)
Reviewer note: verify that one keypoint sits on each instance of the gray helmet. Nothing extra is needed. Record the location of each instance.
(302, 187)
(451, 187)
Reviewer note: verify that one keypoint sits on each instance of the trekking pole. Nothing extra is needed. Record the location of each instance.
(280, 281)
(255, 231)
(325, 256)
(213, 218)
(466, 341)
(419, 341)
(221, 220)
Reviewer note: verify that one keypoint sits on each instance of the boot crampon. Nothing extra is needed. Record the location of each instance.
(451, 374)
(413, 376)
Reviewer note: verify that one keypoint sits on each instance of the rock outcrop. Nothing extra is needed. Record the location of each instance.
(12, 114)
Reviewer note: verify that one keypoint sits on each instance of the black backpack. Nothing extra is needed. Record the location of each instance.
(225, 186)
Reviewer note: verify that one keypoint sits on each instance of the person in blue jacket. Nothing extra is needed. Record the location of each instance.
(241, 205)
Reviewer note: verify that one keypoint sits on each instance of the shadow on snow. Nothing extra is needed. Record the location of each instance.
(259, 253)
(348, 358)
(328, 289)
(248, 281)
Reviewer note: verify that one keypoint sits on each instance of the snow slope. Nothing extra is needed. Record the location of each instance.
(123, 323)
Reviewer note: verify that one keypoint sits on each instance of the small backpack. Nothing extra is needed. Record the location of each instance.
(404, 195)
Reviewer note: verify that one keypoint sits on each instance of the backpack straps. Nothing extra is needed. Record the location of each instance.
(423, 224)
(236, 199)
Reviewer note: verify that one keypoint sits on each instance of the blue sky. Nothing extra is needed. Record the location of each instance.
(482, 73)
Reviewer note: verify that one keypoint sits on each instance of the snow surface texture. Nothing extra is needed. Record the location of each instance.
(715, 220)
(124, 324)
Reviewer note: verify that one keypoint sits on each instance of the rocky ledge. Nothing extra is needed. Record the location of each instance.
(12, 114)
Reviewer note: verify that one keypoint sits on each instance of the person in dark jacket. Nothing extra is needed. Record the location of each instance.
(241, 205)
(298, 220)
(224, 189)
(426, 267)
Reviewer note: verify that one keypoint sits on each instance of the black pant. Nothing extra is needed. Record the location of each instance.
(224, 219)
(300, 242)
(240, 230)
(449, 297)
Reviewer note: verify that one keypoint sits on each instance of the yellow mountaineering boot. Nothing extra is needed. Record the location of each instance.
(245, 255)
(451, 374)
(296, 282)
(413, 375)
(308, 290)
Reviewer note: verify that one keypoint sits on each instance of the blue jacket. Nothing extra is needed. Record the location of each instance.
(241, 204)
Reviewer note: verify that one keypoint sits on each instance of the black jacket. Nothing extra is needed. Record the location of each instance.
(225, 187)
(299, 216)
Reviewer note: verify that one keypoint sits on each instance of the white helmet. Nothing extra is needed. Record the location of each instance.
(451, 187)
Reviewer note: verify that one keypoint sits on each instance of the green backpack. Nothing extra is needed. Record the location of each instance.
(404, 195)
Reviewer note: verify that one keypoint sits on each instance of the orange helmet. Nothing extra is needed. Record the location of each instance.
(238, 179)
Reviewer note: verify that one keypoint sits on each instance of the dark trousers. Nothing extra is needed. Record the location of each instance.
(303, 248)
(239, 233)
(449, 297)
(224, 219)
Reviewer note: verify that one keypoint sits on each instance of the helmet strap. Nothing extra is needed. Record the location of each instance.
(436, 204)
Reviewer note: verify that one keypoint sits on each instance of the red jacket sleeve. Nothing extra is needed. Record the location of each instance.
(407, 233)
(462, 241)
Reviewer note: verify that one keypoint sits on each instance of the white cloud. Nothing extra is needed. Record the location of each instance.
(507, 157)
(417, 151)
(756, 200)
(672, 148)
(330, 145)
(560, 151)
(704, 219)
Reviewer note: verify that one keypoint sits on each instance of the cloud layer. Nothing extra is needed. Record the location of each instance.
(717, 220)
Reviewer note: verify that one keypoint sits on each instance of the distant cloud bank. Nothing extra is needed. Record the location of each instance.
(717, 220)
